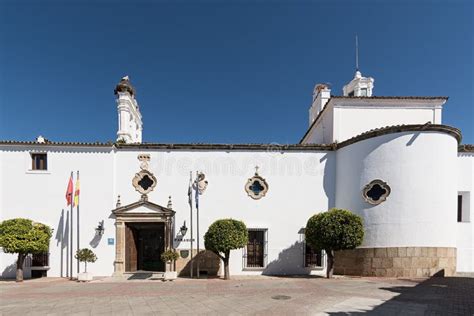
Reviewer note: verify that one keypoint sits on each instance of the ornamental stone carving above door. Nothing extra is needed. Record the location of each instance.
(144, 181)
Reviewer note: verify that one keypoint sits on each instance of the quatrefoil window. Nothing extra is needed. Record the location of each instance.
(256, 187)
(144, 182)
(376, 192)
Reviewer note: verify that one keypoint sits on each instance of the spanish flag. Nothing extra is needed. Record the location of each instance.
(69, 191)
(76, 193)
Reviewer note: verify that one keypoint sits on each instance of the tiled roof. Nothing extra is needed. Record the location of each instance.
(201, 146)
(49, 143)
(266, 147)
(456, 133)
(466, 148)
(391, 97)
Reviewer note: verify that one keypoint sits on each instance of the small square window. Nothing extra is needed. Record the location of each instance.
(363, 92)
(39, 162)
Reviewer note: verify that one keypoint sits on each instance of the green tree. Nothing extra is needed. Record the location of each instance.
(334, 230)
(223, 236)
(85, 255)
(23, 236)
(169, 256)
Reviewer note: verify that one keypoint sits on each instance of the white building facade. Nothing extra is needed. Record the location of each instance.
(388, 159)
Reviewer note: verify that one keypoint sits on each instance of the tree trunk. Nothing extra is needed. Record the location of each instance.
(226, 266)
(330, 268)
(85, 269)
(19, 267)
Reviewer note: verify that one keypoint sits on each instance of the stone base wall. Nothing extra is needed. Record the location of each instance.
(209, 263)
(396, 262)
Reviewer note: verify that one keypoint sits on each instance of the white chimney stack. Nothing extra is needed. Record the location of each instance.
(321, 95)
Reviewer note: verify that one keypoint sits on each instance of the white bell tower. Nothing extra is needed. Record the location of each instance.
(359, 86)
(129, 118)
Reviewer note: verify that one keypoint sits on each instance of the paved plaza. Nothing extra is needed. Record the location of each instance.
(246, 296)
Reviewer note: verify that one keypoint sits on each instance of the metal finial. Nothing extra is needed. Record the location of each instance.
(170, 203)
(118, 201)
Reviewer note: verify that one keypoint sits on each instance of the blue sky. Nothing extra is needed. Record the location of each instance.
(221, 71)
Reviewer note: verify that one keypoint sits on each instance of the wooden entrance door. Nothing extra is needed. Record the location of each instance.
(144, 244)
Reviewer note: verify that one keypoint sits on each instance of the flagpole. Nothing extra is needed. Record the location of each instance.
(191, 214)
(62, 241)
(197, 223)
(77, 187)
(72, 231)
(67, 245)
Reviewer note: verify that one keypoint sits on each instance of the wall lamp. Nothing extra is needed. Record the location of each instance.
(183, 230)
(99, 230)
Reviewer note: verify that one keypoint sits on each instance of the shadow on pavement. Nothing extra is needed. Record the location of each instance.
(437, 296)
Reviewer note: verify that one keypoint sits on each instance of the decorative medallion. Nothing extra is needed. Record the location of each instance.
(184, 253)
(256, 187)
(144, 181)
(376, 192)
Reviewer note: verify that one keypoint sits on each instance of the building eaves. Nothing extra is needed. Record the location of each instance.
(229, 147)
(49, 143)
(466, 148)
(456, 133)
(392, 98)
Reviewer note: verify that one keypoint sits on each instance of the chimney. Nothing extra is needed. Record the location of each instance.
(321, 95)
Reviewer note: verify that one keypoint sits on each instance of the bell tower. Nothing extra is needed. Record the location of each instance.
(129, 118)
(359, 86)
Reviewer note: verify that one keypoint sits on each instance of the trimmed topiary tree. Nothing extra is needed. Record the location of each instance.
(223, 236)
(23, 236)
(334, 230)
(85, 255)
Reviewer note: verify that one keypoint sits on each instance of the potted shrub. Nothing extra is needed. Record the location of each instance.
(85, 255)
(169, 256)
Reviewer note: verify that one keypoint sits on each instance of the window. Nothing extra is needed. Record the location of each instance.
(363, 92)
(376, 192)
(255, 254)
(39, 162)
(256, 187)
(312, 258)
(351, 94)
(463, 207)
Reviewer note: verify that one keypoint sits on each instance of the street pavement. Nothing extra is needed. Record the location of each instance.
(240, 296)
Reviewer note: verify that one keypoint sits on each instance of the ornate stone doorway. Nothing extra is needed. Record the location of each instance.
(143, 230)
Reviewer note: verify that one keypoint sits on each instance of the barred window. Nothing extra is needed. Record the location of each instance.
(255, 253)
(313, 258)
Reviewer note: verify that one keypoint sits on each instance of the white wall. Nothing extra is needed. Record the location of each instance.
(344, 118)
(300, 184)
(40, 196)
(350, 122)
(465, 230)
(297, 190)
(421, 169)
(322, 132)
